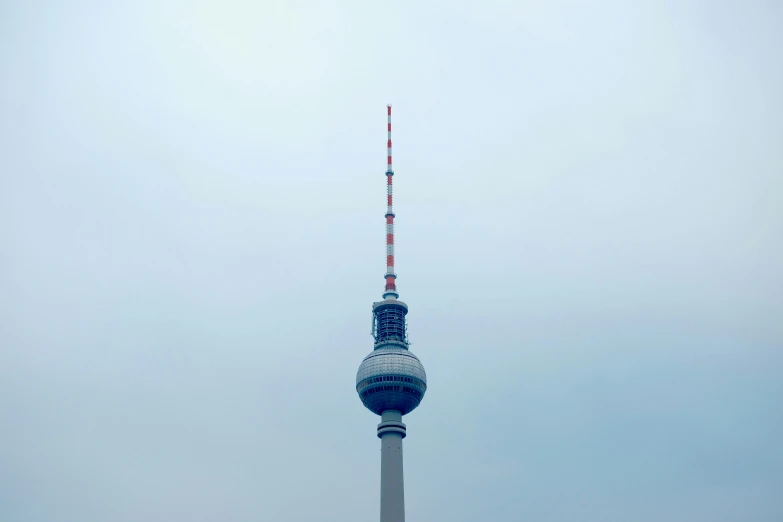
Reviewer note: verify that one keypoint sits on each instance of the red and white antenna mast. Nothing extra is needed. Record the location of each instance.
(391, 286)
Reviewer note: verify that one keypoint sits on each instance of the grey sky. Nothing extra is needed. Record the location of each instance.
(589, 224)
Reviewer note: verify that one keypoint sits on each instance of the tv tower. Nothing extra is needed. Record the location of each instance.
(391, 381)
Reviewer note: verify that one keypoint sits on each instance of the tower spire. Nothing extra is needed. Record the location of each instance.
(391, 284)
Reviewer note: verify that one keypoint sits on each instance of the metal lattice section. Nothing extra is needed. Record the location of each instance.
(390, 325)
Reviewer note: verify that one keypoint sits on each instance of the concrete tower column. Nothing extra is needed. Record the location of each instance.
(391, 431)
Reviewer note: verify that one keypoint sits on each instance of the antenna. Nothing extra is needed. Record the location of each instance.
(391, 286)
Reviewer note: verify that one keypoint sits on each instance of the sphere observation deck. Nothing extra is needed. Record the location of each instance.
(391, 378)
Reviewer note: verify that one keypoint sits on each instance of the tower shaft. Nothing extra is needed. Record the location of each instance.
(391, 431)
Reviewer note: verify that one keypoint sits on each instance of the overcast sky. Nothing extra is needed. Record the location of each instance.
(589, 223)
